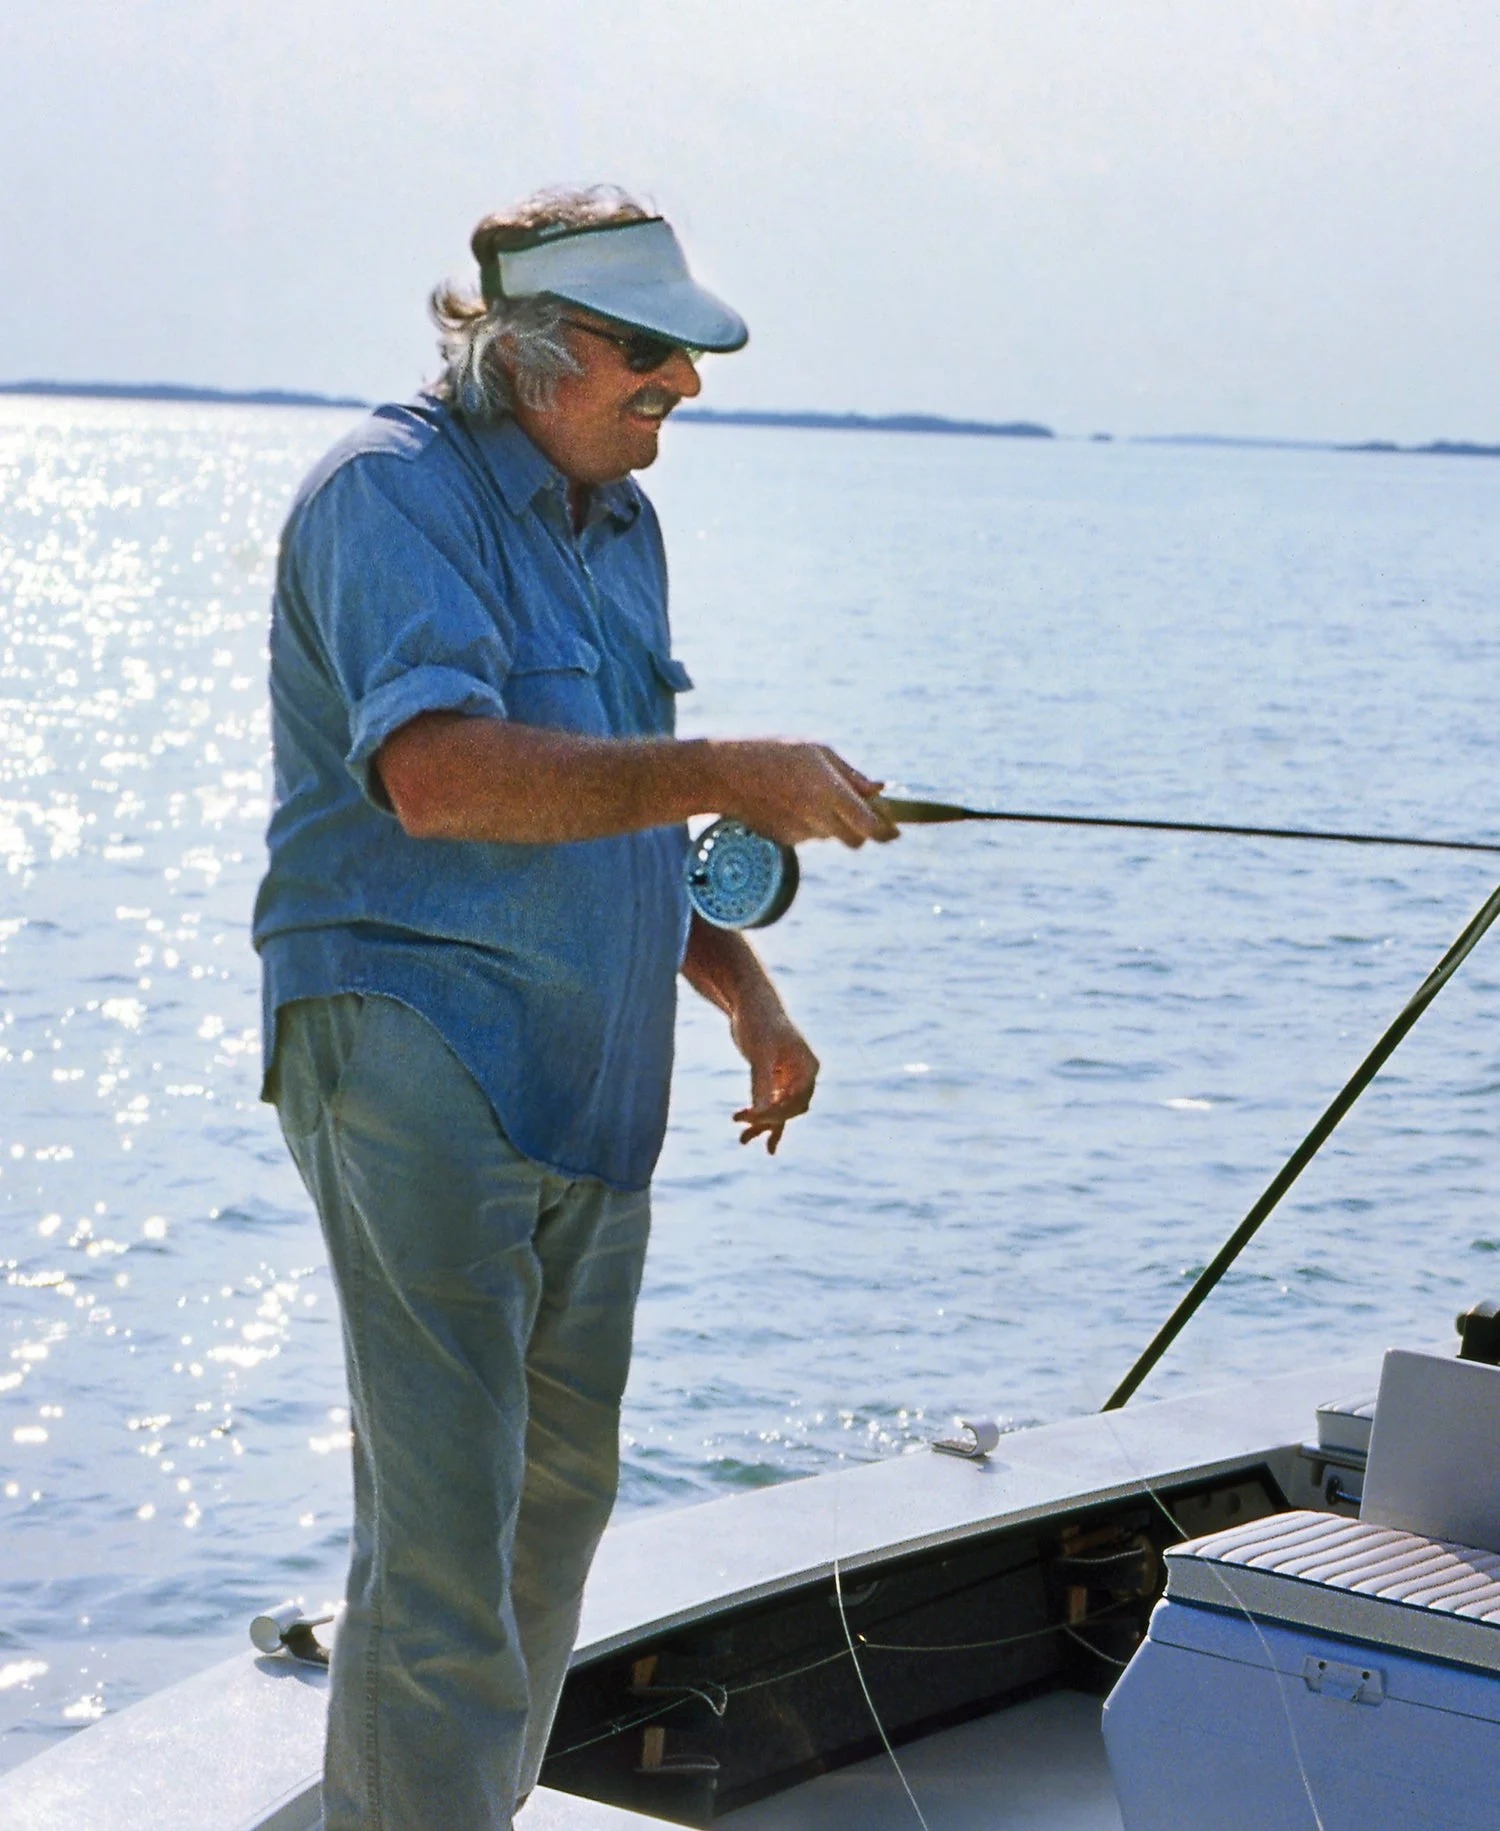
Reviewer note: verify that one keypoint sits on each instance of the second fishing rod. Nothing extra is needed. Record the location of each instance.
(737, 878)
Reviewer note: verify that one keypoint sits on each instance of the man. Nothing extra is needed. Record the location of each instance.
(471, 926)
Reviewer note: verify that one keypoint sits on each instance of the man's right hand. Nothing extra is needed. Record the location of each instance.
(791, 791)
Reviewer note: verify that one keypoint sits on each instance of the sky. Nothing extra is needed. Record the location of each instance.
(1255, 217)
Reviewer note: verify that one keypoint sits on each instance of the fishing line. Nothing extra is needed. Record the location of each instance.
(737, 878)
(620, 1726)
(1070, 1629)
(1308, 1149)
(859, 1671)
(1281, 1681)
(1006, 1640)
(781, 1678)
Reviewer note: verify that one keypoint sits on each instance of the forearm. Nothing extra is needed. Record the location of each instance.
(721, 966)
(724, 967)
(451, 777)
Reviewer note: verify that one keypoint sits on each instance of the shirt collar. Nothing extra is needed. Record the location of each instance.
(523, 472)
(514, 462)
(620, 501)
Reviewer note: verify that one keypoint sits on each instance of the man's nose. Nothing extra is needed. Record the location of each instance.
(681, 377)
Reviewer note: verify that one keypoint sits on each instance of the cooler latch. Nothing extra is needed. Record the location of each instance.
(1349, 1684)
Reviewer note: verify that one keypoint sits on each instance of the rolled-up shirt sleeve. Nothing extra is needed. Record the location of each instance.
(396, 607)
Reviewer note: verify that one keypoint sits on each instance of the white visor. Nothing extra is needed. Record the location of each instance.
(634, 273)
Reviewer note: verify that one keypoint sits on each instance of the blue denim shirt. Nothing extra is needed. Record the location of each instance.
(429, 564)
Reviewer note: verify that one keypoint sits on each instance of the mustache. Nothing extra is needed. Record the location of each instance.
(653, 399)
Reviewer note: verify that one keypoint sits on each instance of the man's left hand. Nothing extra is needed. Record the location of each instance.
(783, 1074)
(721, 965)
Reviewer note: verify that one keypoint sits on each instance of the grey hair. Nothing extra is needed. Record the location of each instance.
(499, 351)
(495, 354)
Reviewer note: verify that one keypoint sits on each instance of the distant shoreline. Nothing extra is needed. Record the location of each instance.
(1438, 448)
(865, 422)
(706, 416)
(935, 423)
(1435, 448)
(178, 391)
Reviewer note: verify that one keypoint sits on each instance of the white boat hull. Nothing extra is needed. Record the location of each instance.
(237, 1748)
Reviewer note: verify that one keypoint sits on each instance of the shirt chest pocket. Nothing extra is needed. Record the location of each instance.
(670, 673)
(668, 678)
(554, 681)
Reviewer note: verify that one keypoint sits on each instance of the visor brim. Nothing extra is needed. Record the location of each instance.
(681, 311)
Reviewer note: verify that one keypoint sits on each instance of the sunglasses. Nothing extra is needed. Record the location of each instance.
(643, 352)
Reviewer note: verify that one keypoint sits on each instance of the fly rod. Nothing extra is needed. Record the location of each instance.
(737, 878)
(943, 813)
(1307, 1150)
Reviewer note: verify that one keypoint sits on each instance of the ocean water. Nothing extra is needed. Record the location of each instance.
(1058, 1066)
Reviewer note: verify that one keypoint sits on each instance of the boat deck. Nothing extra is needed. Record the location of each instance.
(1037, 1767)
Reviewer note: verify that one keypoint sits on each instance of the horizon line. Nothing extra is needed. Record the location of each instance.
(811, 419)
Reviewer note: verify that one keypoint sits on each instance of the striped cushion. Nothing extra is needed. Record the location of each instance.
(1371, 1583)
(1346, 1424)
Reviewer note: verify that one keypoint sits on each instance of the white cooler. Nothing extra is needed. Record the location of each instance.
(1309, 1672)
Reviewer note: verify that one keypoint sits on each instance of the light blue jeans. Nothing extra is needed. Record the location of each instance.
(487, 1309)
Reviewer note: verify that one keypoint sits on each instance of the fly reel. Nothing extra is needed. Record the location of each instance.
(738, 879)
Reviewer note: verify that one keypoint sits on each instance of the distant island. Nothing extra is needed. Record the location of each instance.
(1439, 448)
(750, 416)
(866, 422)
(175, 391)
(1245, 440)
